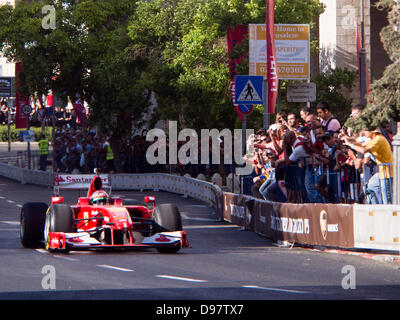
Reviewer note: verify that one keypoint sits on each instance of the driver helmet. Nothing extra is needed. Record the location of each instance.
(99, 198)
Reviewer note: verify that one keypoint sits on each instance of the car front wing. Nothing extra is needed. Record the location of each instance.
(84, 240)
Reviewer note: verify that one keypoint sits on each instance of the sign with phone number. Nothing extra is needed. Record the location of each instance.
(292, 43)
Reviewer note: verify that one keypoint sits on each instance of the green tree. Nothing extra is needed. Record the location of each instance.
(334, 87)
(383, 101)
(85, 53)
(185, 43)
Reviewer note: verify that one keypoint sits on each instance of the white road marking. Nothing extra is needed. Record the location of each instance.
(13, 223)
(114, 268)
(65, 258)
(274, 289)
(19, 205)
(10, 201)
(179, 278)
(41, 250)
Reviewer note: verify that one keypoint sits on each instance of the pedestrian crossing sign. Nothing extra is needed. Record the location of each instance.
(248, 89)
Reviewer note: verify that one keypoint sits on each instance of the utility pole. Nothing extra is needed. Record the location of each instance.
(363, 55)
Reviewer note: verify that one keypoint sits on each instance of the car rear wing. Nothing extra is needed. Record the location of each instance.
(80, 181)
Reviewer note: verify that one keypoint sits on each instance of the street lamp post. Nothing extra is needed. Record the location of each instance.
(363, 55)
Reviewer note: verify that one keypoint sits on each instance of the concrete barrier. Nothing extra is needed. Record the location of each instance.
(217, 179)
(377, 226)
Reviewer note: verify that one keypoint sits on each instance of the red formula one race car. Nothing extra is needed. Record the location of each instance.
(99, 221)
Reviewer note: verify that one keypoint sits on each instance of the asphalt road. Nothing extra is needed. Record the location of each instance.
(223, 263)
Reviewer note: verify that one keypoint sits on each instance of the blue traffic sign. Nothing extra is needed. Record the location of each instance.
(248, 89)
(246, 108)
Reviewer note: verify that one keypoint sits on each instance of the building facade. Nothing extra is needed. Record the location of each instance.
(6, 69)
(338, 41)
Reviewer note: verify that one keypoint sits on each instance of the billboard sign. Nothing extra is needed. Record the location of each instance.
(292, 43)
(6, 86)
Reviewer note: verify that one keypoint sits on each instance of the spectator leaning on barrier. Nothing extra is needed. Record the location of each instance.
(292, 186)
(326, 184)
(270, 170)
(261, 139)
(379, 185)
(328, 120)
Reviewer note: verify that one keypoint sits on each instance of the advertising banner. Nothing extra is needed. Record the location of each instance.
(6, 87)
(235, 210)
(23, 107)
(235, 36)
(292, 45)
(271, 62)
(313, 224)
(78, 181)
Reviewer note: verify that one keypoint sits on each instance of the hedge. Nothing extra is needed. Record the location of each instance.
(14, 133)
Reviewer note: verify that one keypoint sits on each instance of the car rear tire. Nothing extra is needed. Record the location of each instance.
(168, 217)
(32, 221)
(59, 218)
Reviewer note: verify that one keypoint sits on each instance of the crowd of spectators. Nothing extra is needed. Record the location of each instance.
(314, 159)
(77, 150)
(5, 112)
(308, 158)
(81, 151)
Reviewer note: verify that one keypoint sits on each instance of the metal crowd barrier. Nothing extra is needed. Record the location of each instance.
(22, 160)
(349, 185)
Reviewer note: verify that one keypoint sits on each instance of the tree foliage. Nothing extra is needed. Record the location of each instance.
(184, 42)
(383, 101)
(85, 53)
(115, 52)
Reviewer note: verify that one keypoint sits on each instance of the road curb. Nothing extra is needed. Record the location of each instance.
(374, 256)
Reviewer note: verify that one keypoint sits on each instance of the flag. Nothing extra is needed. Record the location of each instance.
(22, 102)
(272, 72)
(235, 36)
